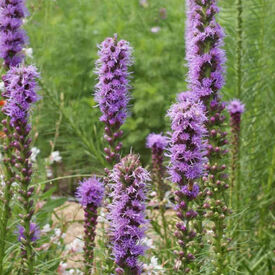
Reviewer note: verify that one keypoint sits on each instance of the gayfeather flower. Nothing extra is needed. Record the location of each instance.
(34, 232)
(235, 109)
(12, 37)
(187, 157)
(90, 193)
(158, 143)
(20, 94)
(127, 214)
(206, 59)
(112, 90)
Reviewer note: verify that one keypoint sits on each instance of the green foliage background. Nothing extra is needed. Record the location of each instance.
(64, 36)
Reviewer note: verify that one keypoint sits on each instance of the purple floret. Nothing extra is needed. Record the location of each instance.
(12, 37)
(90, 192)
(157, 141)
(113, 84)
(34, 232)
(20, 92)
(187, 148)
(127, 213)
(235, 106)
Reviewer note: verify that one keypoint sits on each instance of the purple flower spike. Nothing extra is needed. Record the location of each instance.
(90, 194)
(112, 90)
(127, 213)
(157, 141)
(12, 37)
(90, 191)
(34, 232)
(235, 109)
(203, 48)
(20, 92)
(187, 153)
(187, 147)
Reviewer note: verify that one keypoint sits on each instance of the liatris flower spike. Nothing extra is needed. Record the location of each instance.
(20, 94)
(158, 143)
(127, 214)
(206, 60)
(34, 233)
(235, 109)
(112, 90)
(90, 194)
(12, 37)
(187, 153)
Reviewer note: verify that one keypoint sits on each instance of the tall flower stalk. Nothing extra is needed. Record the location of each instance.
(239, 50)
(235, 109)
(112, 91)
(90, 194)
(20, 94)
(12, 37)
(112, 96)
(127, 214)
(158, 143)
(205, 60)
(187, 150)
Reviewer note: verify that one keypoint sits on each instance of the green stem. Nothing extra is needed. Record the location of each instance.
(7, 198)
(239, 47)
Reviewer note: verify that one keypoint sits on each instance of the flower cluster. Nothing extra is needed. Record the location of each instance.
(20, 92)
(204, 38)
(187, 119)
(187, 153)
(90, 194)
(12, 37)
(34, 232)
(235, 109)
(206, 59)
(127, 216)
(112, 90)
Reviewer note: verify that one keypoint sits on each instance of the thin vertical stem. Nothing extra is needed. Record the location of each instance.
(239, 51)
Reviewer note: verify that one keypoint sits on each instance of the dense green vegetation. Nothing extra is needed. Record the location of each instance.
(64, 36)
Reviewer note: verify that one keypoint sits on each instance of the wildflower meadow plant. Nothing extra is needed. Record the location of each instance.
(12, 37)
(112, 91)
(158, 143)
(235, 109)
(90, 193)
(20, 94)
(127, 214)
(187, 153)
(205, 57)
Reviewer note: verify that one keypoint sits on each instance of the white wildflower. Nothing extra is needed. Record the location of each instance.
(49, 172)
(55, 157)
(46, 228)
(155, 29)
(2, 86)
(28, 52)
(76, 246)
(35, 151)
(148, 242)
(153, 268)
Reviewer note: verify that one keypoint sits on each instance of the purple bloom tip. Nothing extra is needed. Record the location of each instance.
(157, 141)
(20, 92)
(90, 191)
(235, 106)
(34, 232)
(190, 193)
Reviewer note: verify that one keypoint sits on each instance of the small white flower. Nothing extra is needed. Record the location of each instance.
(153, 194)
(75, 246)
(155, 29)
(149, 243)
(46, 228)
(49, 172)
(2, 86)
(28, 52)
(55, 157)
(153, 268)
(62, 268)
(35, 151)
(143, 3)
